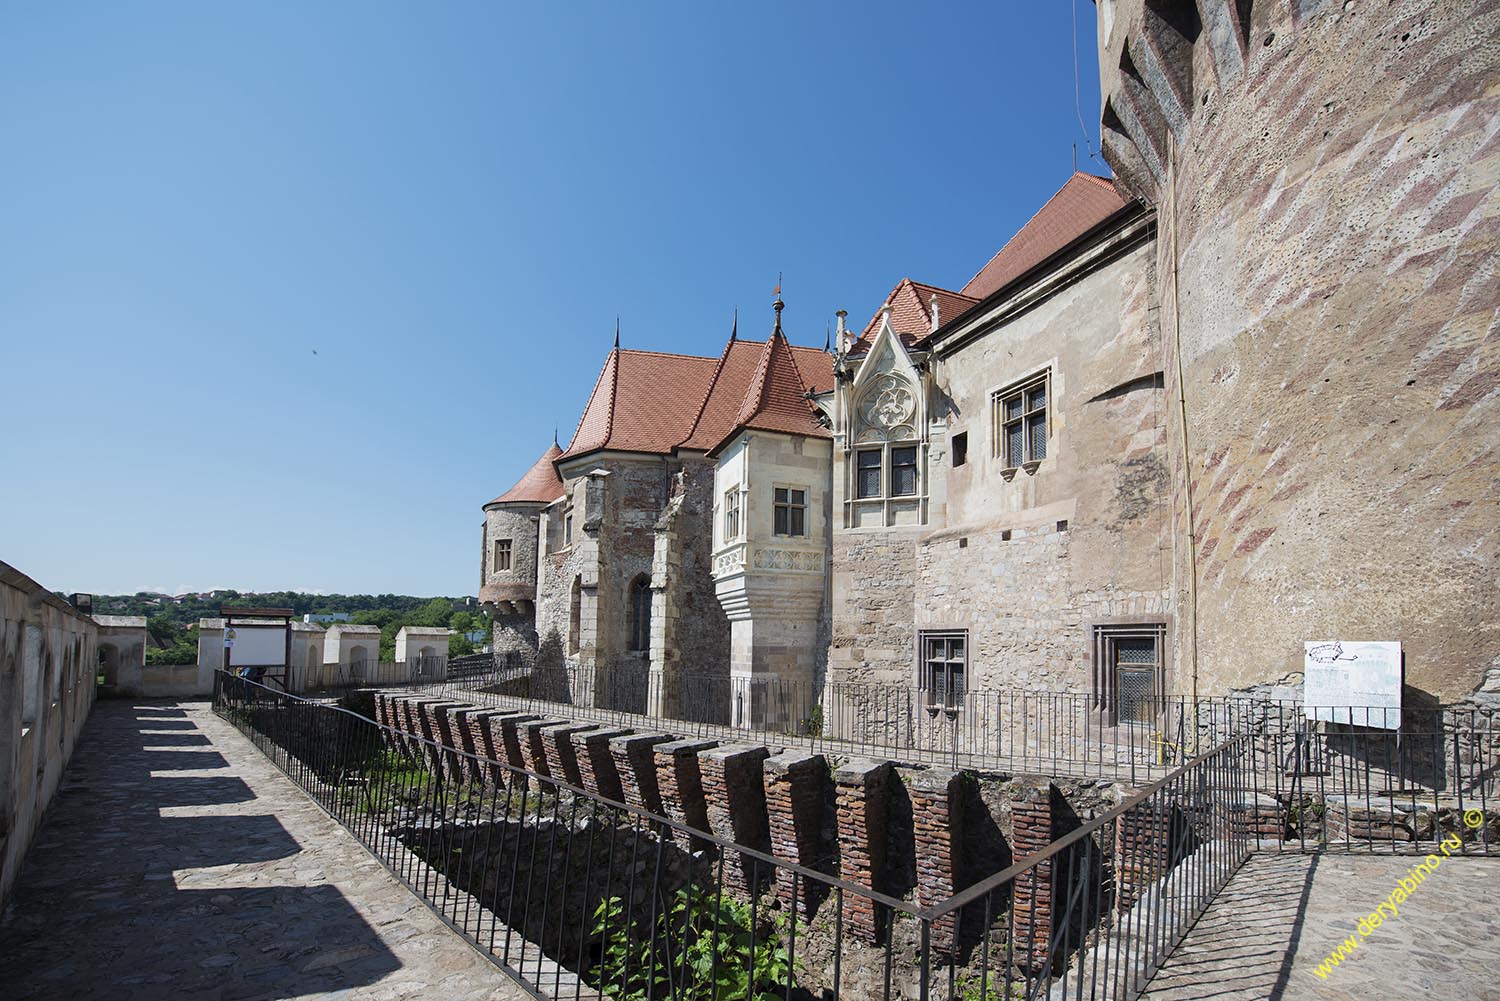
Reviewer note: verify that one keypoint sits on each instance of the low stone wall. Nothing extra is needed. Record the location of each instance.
(48, 659)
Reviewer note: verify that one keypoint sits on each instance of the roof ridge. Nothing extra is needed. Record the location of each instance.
(709, 392)
(756, 390)
(614, 391)
(592, 393)
(666, 354)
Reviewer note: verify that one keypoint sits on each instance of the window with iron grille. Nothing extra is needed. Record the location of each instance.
(1021, 422)
(640, 614)
(945, 663)
(502, 555)
(790, 511)
(904, 471)
(1130, 670)
(731, 514)
(867, 472)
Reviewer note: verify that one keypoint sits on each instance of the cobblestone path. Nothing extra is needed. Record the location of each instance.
(1280, 915)
(177, 863)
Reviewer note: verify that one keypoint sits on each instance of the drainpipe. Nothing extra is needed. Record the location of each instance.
(1187, 472)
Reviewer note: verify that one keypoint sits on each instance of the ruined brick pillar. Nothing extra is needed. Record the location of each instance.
(557, 745)
(1141, 849)
(483, 734)
(736, 806)
(1033, 828)
(680, 780)
(797, 787)
(861, 789)
(596, 766)
(511, 735)
(533, 751)
(635, 762)
(433, 717)
(463, 766)
(937, 830)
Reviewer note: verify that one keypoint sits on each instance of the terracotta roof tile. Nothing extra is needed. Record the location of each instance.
(644, 401)
(776, 399)
(911, 312)
(1079, 205)
(540, 485)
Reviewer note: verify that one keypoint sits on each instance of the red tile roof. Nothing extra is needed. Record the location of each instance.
(540, 485)
(647, 401)
(911, 312)
(1079, 205)
(776, 398)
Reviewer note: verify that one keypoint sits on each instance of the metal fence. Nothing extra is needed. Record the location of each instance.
(575, 895)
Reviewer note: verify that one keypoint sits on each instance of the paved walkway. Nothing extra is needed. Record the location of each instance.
(177, 862)
(1276, 921)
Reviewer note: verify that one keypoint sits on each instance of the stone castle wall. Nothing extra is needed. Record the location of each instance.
(1326, 180)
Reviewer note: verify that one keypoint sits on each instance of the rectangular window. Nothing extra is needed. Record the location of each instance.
(945, 662)
(791, 511)
(867, 473)
(568, 530)
(1021, 422)
(904, 471)
(960, 448)
(732, 514)
(1130, 670)
(502, 555)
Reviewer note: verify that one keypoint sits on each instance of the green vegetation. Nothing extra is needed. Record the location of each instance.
(703, 939)
(173, 624)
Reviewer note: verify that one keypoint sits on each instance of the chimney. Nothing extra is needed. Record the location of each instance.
(934, 311)
(842, 332)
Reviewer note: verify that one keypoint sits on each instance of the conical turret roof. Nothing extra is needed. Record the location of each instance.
(540, 485)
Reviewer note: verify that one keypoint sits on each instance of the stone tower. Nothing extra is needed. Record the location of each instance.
(508, 571)
(1325, 180)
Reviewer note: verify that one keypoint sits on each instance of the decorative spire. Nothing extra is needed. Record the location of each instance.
(554, 436)
(778, 305)
(827, 338)
(617, 331)
(734, 331)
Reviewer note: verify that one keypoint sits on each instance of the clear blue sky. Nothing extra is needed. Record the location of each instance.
(449, 203)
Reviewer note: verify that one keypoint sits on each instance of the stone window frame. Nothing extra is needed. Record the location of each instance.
(1103, 683)
(567, 527)
(502, 548)
(638, 593)
(886, 470)
(734, 523)
(926, 689)
(789, 507)
(1042, 379)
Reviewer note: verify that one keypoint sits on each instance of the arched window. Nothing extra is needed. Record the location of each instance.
(640, 614)
(575, 614)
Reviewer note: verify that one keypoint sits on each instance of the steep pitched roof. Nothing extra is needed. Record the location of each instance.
(540, 485)
(643, 401)
(911, 312)
(776, 399)
(1079, 205)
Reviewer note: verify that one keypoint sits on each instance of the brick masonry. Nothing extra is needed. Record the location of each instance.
(797, 792)
(861, 787)
(1141, 851)
(635, 763)
(1033, 828)
(596, 766)
(557, 745)
(680, 779)
(735, 797)
(937, 797)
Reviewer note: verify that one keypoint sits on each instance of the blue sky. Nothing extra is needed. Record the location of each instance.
(449, 203)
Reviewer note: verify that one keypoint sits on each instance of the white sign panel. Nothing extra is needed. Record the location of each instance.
(1353, 682)
(258, 646)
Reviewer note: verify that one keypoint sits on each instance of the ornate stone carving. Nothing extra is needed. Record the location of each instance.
(799, 560)
(889, 403)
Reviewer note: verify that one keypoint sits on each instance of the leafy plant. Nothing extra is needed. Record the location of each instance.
(704, 948)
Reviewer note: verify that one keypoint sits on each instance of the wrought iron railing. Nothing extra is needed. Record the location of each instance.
(577, 895)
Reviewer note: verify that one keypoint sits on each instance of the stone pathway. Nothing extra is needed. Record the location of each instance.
(177, 862)
(1276, 921)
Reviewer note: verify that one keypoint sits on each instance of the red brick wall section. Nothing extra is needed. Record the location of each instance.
(533, 752)
(433, 718)
(681, 784)
(1141, 847)
(735, 797)
(557, 743)
(512, 735)
(937, 834)
(596, 766)
(465, 767)
(483, 736)
(635, 761)
(1032, 829)
(796, 789)
(861, 789)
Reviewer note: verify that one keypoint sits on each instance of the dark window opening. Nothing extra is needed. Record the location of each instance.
(1130, 671)
(945, 662)
(640, 614)
(1022, 423)
(867, 473)
(904, 471)
(790, 511)
(961, 448)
